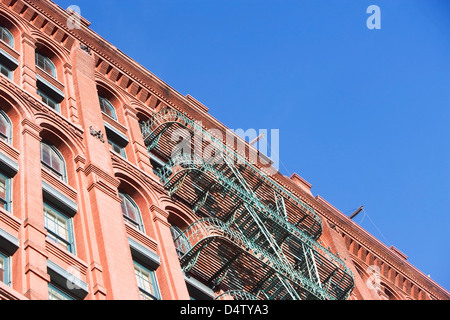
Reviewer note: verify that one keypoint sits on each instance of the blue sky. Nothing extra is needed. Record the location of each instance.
(363, 114)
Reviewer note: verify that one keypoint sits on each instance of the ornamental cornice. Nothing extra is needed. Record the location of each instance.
(380, 250)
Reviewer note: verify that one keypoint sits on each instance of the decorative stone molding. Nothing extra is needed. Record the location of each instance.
(31, 128)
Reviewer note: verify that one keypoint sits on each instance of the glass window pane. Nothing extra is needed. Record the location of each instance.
(124, 209)
(56, 162)
(56, 295)
(5, 127)
(48, 101)
(131, 210)
(2, 269)
(58, 227)
(45, 154)
(107, 107)
(45, 64)
(52, 160)
(146, 283)
(6, 36)
(3, 191)
(5, 71)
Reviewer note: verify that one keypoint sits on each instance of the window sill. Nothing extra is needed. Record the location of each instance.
(141, 238)
(65, 258)
(60, 185)
(9, 50)
(9, 223)
(9, 150)
(9, 293)
(114, 123)
(52, 80)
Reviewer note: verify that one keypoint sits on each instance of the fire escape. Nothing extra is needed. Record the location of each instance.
(254, 239)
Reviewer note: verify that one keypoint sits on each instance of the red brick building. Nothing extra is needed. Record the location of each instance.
(93, 208)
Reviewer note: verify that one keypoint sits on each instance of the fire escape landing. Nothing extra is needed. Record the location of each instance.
(253, 238)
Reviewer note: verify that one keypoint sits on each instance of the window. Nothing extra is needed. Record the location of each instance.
(53, 160)
(57, 294)
(59, 228)
(49, 101)
(6, 36)
(4, 269)
(107, 108)
(116, 140)
(182, 244)
(45, 64)
(5, 71)
(5, 192)
(117, 148)
(5, 127)
(131, 212)
(146, 279)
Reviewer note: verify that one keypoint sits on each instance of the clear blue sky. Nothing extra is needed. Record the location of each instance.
(363, 114)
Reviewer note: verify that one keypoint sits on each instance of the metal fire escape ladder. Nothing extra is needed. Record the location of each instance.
(281, 207)
(292, 292)
(311, 265)
(277, 250)
(275, 247)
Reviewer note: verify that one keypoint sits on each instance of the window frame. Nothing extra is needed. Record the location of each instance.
(8, 138)
(11, 42)
(7, 269)
(7, 201)
(47, 62)
(138, 224)
(154, 282)
(9, 74)
(62, 175)
(45, 96)
(178, 236)
(70, 242)
(106, 103)
(114, 145)
(53, 287)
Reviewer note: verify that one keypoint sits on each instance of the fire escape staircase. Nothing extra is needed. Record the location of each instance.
(253, 239)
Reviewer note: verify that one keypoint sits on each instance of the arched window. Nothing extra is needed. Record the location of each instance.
(182, 244)
(45, 64)
(5, 127)
(6, 36)
(52, 159)
(107, 107)
(131, 212)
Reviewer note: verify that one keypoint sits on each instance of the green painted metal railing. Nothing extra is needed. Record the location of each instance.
(237, 295)
(187, 163)
(209, 228)
(335, 284)
(153, 128)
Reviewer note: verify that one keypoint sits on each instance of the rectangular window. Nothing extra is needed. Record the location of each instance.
(49, 101)
(56, 294)
(5, 192)
(59, 228)
(147, 283)
(117, 149)
(5, 71)
(4, 269)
